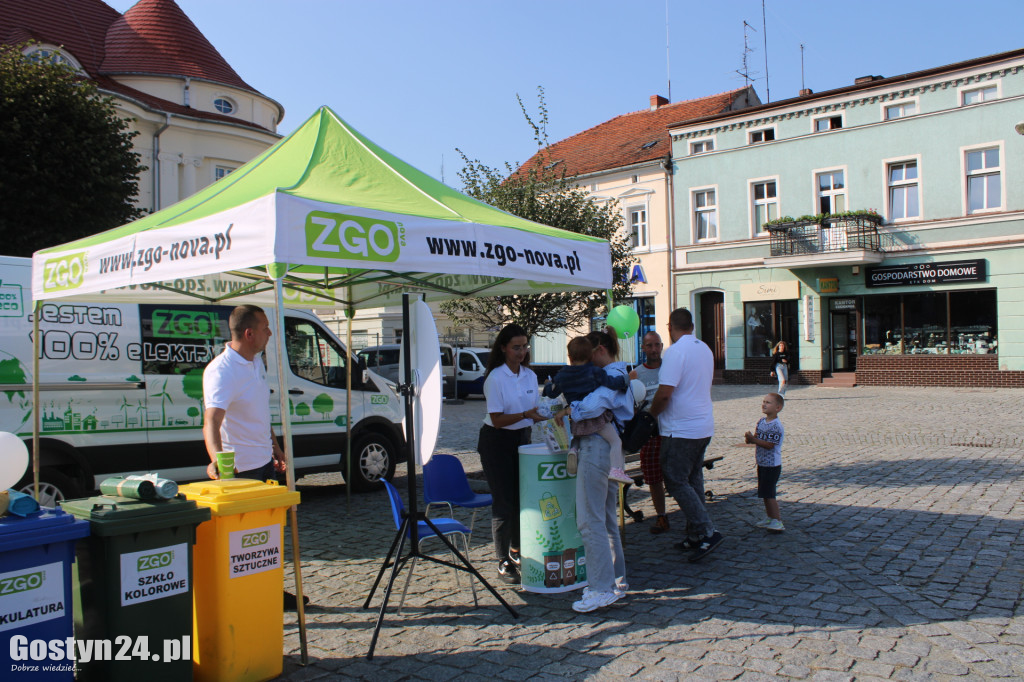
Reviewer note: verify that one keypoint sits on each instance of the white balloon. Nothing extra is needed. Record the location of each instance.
(13, 459)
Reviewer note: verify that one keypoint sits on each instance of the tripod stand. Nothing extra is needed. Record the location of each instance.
(409, 529)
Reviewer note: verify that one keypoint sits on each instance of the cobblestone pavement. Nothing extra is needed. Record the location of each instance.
(903, 558)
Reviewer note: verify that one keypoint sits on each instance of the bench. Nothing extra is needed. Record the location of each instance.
(634, 472)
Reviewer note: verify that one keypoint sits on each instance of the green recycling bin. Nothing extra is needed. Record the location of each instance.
(133, 587)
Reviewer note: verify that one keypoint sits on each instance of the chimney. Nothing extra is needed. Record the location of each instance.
(806, 91)
(866, 79)
(657, 101)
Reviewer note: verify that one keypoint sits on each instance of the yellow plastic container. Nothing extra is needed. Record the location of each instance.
(238, 583)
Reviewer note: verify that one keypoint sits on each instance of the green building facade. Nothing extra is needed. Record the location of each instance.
(894, 251)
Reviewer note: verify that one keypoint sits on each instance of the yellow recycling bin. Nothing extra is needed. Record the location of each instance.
(238, 583)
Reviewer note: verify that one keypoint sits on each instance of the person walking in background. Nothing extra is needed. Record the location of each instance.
(767, 438)
(650, 453)
(511, 392)
(577, 381)
(686, 422)
(780, 366)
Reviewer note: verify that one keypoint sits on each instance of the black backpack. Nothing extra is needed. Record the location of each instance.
(638, 430)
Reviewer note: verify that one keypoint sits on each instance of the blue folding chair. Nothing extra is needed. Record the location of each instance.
(447, 527)
(445, 483)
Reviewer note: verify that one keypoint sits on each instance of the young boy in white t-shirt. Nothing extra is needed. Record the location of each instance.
(767, 438)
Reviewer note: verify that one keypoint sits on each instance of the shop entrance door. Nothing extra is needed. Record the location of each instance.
(844, 341)
(712, 324)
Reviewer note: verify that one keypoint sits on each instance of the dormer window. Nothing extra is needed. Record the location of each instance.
(54, 55)
(649, 145)
(224, 105)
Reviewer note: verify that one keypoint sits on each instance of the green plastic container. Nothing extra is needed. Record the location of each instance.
(134, 586)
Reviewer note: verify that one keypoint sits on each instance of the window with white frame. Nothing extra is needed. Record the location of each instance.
(904, 197)
(221, 171)
(705, 215)
(702, 147)
(828, 123)
(763, 135)
(979, 95)
(831, 192)
(984, 189)
(901, 110)
(765, 203)
(637, 220)
(224, 105)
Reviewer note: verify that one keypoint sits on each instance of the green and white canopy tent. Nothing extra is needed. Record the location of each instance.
(338, 219)
(324, 217)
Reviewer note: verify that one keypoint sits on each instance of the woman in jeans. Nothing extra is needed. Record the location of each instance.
(780, 366)
(511, 392)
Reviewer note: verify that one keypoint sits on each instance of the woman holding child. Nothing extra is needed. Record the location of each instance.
(596, 494)
(511, 392)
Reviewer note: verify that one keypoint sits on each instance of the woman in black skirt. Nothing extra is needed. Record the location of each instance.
(511, 391)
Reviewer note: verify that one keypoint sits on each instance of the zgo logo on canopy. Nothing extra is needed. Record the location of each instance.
(64, 272)
(349, 237)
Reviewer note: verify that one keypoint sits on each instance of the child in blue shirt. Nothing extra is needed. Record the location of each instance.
(577, 381)
(768, 437)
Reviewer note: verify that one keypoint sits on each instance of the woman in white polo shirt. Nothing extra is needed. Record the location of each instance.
(511, 391)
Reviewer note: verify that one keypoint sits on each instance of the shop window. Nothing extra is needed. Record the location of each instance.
(883, 327)
(758, 329)
(972, 322)
(831, 192)
(925, 324)
(933, 323)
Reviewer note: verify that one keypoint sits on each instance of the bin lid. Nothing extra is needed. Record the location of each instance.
(111, 515)
(40, 528)
(239, 495)
(535, 449)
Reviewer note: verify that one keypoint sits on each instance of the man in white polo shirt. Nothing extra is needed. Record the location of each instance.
(686, 423)
(237, 399)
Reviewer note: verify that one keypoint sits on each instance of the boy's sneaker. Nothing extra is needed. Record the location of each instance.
(660, 525)
(515, 558)
(595, 600)
(617, 474)
(571, 462)
(688, 545)
(707, 546)
(763, 523)
(775, 526)
(508, 573)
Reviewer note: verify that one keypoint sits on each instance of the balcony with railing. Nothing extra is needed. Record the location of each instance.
(826, 240)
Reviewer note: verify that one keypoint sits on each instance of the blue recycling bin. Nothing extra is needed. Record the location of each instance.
(36, 553)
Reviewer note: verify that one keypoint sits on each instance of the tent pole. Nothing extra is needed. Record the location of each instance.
(349, 313)
(36, 400)
(289, 456)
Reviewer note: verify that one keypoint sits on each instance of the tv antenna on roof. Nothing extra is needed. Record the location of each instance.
(747, 77)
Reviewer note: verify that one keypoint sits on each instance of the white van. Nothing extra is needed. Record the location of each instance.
(121, 390)
(384, 360)
(471, 363)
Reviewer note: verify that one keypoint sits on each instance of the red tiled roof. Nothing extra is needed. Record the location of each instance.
(626, 140)
(80, 26)
(155, 36)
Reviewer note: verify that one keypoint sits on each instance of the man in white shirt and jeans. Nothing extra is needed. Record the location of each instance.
(686, 423)
(237, 400)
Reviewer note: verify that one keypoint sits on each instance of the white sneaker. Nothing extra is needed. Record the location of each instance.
(763, 523)
(775, 526)
(595, 600)
(617, 474)
(621, 586)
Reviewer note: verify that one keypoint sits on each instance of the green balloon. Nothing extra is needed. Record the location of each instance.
(624, 320)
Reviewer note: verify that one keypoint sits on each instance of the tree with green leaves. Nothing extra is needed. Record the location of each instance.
(67, 168)
(542, 192)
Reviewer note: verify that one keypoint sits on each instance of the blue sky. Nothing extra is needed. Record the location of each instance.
(421, 78)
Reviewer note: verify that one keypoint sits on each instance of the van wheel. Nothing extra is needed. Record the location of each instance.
(373, 458)
(54, 487)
